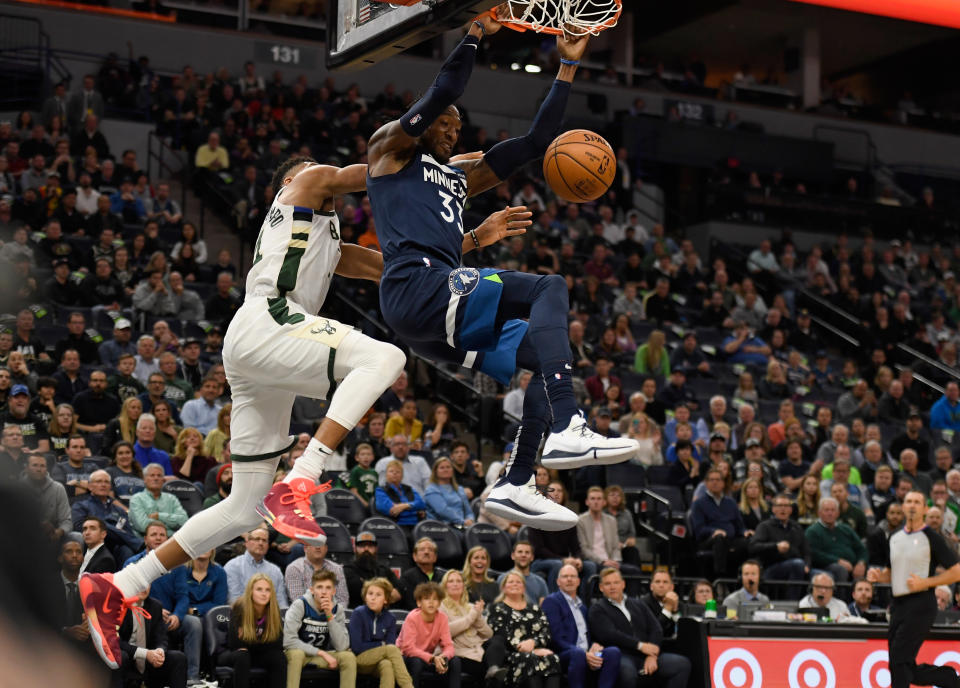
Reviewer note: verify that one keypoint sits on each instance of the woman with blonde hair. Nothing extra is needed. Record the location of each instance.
(530, 661)
(746, 391)
(652, 357)
(255, 638)
(446, 501)
(188, 460)
(645, 431)
(753, 507)
(476, 576)
(217, 439)
(774, 386)
(63, 424)
(123, 428)
(468, 628)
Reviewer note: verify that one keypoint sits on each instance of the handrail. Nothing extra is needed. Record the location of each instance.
(920, 378)
(162, 165)
(929, 361)
(835, 332)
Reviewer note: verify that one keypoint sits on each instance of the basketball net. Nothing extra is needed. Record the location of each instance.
(575, 17)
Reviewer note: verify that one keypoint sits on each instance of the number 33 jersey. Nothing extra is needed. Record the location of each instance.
(295, 255)
(419, 210)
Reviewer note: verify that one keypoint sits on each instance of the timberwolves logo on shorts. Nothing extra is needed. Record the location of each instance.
(462, 281)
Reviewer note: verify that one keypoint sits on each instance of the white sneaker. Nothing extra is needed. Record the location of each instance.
(524, 503)
(578, 446)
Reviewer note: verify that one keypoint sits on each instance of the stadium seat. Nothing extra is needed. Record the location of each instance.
(449, 544)
(339, 542)
(346, 507)
(399, 614)
(390, 538)
(190, 497)
(51, 334)
(629, 476)
(658, 475)
(495, 541)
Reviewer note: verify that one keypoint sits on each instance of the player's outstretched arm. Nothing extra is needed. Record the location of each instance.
(357, 262)
(318, 183)
(508, 156)
(392, 144)
(503, 224)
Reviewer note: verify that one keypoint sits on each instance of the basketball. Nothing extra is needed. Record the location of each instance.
(579, 166)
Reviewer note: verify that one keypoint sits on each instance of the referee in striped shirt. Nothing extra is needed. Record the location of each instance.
(915, 554)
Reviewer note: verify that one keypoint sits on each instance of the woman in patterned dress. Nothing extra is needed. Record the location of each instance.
(531, 663)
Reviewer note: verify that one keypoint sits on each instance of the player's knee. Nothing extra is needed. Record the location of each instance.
(390, 361)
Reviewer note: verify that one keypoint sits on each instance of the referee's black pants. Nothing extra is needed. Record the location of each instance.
(911, 617)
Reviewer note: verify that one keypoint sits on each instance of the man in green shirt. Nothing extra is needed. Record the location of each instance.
(153, 504)
(834, 547)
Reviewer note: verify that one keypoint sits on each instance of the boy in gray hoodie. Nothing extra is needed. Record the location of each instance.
(315, 632)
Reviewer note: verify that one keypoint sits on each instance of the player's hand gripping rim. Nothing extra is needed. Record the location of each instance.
(503, 224)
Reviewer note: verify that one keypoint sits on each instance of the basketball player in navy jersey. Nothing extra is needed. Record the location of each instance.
(489, 320)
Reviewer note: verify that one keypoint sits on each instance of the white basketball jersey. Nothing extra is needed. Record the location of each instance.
(295, 256)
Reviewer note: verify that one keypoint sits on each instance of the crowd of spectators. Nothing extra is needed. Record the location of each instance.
(789, 453)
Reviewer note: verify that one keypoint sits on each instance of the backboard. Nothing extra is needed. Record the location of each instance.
(363, 32)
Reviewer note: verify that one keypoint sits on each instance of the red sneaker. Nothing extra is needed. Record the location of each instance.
(287, 508)
(105, 607)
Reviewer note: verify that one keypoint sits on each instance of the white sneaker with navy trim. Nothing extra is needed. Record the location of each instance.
(579, 446)
(526, 504)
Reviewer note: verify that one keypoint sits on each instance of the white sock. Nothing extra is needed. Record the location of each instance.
(311, 463)
(136, 577)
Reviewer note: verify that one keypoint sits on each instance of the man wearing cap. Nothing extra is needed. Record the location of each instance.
(55, 245)
(59, 289)
(111, 350)
(32, 428)
(190, 368)
(224, 485)
(364, 567)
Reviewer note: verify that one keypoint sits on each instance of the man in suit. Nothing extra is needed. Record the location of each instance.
(73, 625)
(56, 106)
(567, 617)
(97, 558)
(663, 602)
(87, 101)
(629, 625)
(143, 643)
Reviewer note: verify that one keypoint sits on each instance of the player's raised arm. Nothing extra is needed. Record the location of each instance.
(318, 183)
(508, 156)
(392, 144)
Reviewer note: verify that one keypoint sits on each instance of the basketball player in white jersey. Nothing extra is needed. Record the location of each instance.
(276, 348)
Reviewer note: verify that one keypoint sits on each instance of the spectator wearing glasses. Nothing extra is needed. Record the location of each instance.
(241, 570)
(821, 596)
(779, 544)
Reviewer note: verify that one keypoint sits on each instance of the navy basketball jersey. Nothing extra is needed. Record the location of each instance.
(419, 210)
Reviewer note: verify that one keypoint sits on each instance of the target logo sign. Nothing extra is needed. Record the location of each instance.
(811, 669)
(875, 670)
(949, 658)
(737, 668)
